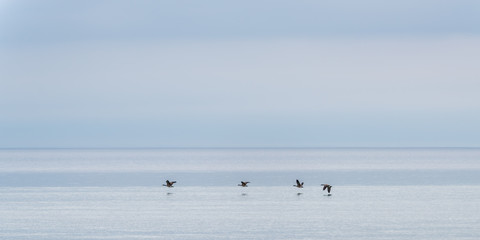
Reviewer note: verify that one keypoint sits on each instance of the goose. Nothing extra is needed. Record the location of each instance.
(169, 184)
(299, 185)
(243, 184)
(327, 186)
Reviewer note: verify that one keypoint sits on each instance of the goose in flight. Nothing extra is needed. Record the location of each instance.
(243, 184)
(327, 186)
(299, 185)
(169, 184)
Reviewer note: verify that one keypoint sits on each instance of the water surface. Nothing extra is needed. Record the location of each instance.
(117, 194)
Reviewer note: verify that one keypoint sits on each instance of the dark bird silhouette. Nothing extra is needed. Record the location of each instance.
(243, 184)
(327, 186)
(169, 184)
(299, 185)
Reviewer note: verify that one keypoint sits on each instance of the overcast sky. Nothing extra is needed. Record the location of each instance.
(240, 74)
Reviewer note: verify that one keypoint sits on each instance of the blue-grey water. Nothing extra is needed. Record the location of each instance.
(117, 194)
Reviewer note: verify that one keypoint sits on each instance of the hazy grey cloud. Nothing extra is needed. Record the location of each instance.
(34, 22)
(269, 73)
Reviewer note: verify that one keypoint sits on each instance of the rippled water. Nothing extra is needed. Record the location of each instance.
(117, 194)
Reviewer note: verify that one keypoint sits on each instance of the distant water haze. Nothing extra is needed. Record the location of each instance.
(206, 160)
(224, 167)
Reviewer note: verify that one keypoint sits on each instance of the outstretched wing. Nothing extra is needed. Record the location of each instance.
(324, 187)
(298, 183)
(329, 187)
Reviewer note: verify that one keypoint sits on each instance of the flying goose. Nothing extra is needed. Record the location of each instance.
(243, 184)
(169, 184)
(299, 185)
(327, 186)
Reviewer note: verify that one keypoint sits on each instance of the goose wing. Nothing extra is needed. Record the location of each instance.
(298, 183)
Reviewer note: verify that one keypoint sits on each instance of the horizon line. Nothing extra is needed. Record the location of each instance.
(199, 148)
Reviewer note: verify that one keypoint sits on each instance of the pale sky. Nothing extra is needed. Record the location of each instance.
(239, 74)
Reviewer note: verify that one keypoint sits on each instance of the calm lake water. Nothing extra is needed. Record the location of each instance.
(117, 194)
